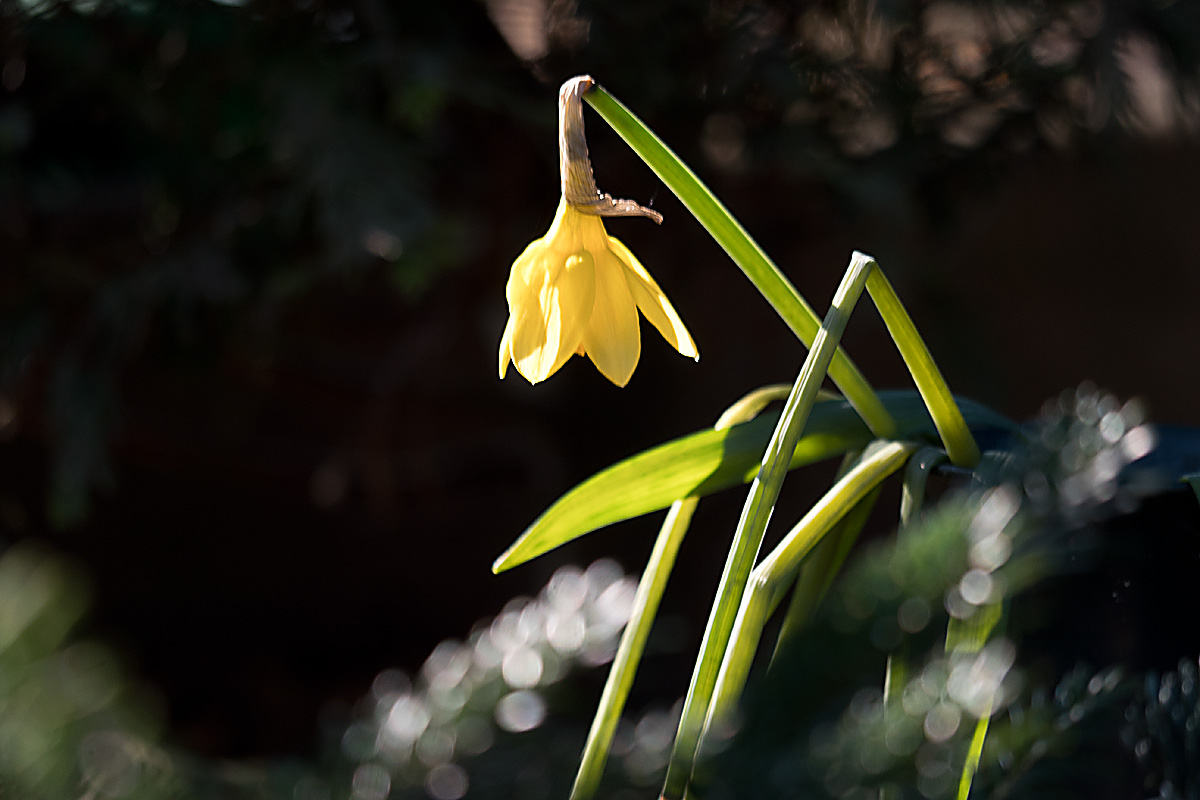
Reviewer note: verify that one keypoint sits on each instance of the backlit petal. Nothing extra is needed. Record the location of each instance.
(519, 300)
(525, 271)
(612, 339)
(577, 290)
(653, 303)
(551, 316)
(506, 347)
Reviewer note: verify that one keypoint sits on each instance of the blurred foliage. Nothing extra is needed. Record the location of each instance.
(175, 176)
(497, 712)
(819, 725)
(172, 174)
(895, 104)
(503, 712)
(1166, 734)
(69, 716)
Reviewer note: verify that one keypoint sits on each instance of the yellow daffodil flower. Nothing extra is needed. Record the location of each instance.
(577, 290)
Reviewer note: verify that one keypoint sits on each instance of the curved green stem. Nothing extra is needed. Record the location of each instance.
(752, 525)
(947, 418)
(633, 644)
(744, 251)
(820, 568)
(645, 608)
(770, 580)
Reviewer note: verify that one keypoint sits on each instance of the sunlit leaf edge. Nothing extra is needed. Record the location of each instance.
(707, 461)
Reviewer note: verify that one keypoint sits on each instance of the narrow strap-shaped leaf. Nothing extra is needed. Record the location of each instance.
(645, 608)
(770, 579)
(970, 636)
(745, 252)
(820, 568)
(629, 651)
(952, 429)
(748, 535)
(711, 460)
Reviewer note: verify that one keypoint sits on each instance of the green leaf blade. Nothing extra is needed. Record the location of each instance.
(708, 461)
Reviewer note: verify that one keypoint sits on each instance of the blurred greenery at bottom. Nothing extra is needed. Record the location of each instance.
(1060, 532)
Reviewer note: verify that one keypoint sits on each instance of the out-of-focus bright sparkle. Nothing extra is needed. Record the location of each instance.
(566, 631)
(522, 668)
(567, 589)
(371, 782)
(421, 730)
(436, 746)
(520, 711)
(976, 587)
(942, 721)
(975, 683)
(446, 782)
(407, 719)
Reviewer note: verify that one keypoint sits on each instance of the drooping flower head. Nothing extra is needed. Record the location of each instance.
(578, 290)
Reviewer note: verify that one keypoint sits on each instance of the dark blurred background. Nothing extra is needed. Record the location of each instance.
(252, 267)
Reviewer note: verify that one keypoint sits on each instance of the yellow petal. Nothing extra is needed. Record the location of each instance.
(506, 348)
(551, 311)
(653, 303)
(517, 292)
(612, 339)
(525, 272)
(576, 230)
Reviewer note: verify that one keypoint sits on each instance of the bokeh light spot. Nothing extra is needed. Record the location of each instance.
(522, 668)
(976, 587)
(446, 782)
(913, 615)
(407, 719)
(520, 711)
(371, 782)
(942, 721)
